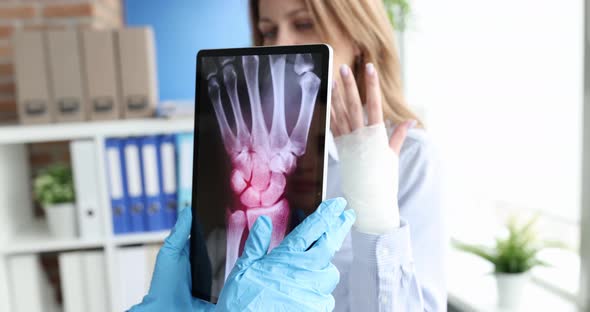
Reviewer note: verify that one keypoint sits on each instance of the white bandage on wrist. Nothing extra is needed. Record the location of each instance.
(369, 172)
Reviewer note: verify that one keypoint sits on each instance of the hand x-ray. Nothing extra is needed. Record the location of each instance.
(259, 150)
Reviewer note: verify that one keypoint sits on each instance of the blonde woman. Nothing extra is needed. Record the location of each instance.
(387, 265)
(392, 259)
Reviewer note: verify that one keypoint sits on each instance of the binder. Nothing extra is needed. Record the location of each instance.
(65, 72)
(71, 272)
(84, 163)
(95, 283)
(138, 71)
(154, 210)
(133, 176)
(132, 276)
(101, 74)
(167, 177)
(184, 145)
(115, 163)
(32, 77)
(27, 282)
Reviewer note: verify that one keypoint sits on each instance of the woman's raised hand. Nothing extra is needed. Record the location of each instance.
(347, 109)
(369, 160)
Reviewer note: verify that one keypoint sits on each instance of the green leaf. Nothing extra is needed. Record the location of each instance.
(54, 185)
(480, 251)
(398, 12)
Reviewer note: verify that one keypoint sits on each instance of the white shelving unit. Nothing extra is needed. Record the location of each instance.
(21, 233)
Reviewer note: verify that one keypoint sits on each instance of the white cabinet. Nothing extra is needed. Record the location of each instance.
(21, 233)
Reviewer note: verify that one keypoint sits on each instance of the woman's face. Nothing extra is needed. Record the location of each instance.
(289, 22)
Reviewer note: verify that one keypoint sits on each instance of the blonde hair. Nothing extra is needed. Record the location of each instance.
(366, 23)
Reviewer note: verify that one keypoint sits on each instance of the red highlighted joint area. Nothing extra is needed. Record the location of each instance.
(256, 184)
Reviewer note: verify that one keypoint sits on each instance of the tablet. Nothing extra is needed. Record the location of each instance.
(260, 124)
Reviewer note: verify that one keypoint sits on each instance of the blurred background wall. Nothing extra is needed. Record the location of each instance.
(182, 28)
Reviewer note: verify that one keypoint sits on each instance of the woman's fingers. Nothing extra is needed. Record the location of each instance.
(399, 135)
(338, 114)
(373, 93)
(334, 113)
(351, 97)
(334, 124)
(347, 110)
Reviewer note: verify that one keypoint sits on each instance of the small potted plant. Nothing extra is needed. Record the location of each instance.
(513, 256)
(54, 190)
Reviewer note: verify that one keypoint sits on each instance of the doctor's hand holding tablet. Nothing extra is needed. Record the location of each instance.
(295, 276)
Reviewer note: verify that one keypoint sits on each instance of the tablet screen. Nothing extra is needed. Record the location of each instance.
(259, 150)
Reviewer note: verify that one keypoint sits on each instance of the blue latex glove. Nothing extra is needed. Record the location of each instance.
(170, 289)
(295, 276)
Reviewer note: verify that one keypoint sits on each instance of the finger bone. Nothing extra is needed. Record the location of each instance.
(278, 132)
(303, 63)
(230, 79)
(310, 85)
(259, 131)
(226, 132)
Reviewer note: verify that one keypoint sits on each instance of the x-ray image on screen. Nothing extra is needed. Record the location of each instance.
(260, 151)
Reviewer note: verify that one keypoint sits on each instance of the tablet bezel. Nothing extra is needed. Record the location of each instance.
(325, 88)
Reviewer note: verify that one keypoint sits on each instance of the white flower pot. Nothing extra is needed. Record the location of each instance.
(62, 220)
(510, 288)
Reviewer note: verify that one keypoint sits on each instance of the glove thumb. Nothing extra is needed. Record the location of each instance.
(177, 240)
(257, 243)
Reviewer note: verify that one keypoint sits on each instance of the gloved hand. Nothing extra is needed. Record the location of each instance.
(170, 289)
(298, 274)
(368, 159)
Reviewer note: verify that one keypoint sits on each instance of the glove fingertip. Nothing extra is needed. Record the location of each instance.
(181, 230)
(333, 207)
(258, 241)
(339, 234)
(349, 216)
(184, 220)
(341, 201)
(263, 223)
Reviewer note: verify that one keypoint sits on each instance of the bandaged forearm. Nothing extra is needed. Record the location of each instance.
(369, 172)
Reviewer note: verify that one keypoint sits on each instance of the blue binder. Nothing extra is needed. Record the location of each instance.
(115, 164)
(135, 196)
(167, 175)
(184, 151)
(152, 187)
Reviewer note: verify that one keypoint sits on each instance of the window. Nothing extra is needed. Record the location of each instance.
(500, 85)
